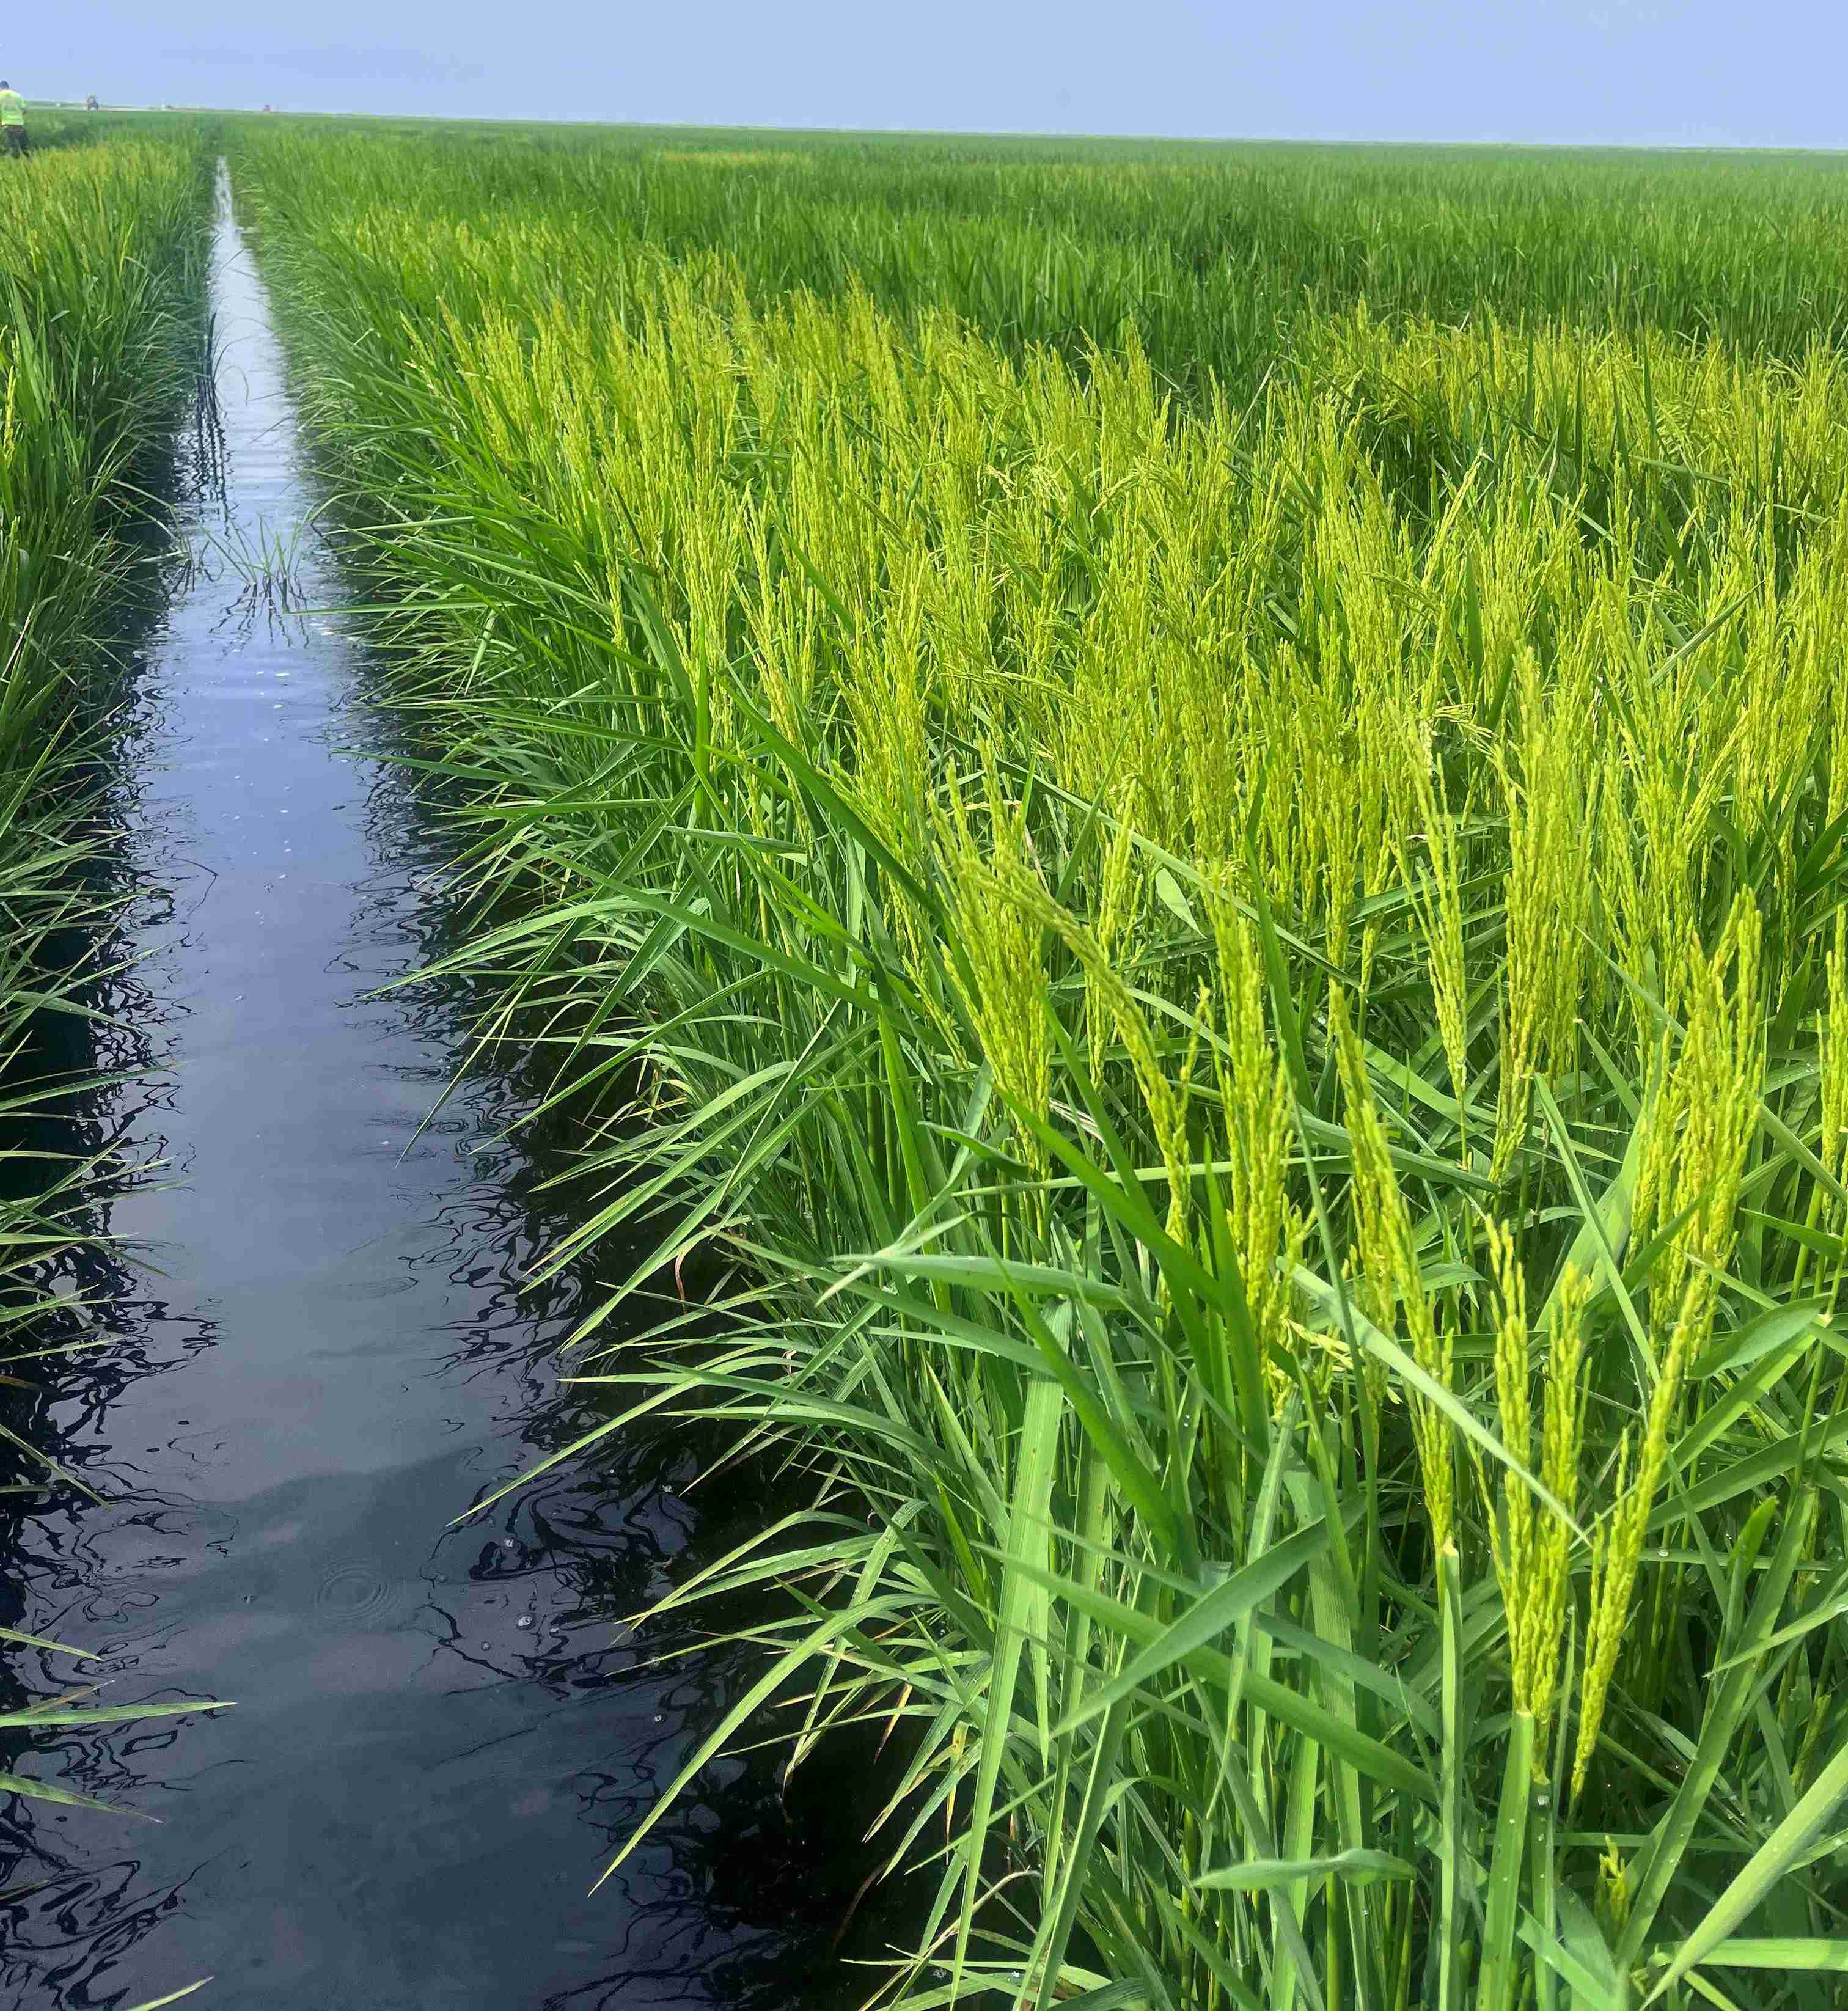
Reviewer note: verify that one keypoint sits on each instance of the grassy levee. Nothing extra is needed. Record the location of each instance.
(101, 250)
(1243, 1000)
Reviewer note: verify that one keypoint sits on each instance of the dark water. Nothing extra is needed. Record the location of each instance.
(320, 1354)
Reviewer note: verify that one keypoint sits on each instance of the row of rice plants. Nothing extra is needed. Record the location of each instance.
(1247, 1002)
(100, 254)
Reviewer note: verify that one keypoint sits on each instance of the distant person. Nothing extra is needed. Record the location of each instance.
(12, 118)
(91, 105)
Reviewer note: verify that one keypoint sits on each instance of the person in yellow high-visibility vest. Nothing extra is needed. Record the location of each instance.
(12, 118)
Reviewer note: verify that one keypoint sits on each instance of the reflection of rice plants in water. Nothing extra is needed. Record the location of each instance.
(1192, 806)
(264, 568)
(206, 432)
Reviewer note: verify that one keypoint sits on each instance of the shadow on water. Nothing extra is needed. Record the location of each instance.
(322, 1348)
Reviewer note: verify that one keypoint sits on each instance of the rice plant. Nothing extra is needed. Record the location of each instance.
(1183, 820)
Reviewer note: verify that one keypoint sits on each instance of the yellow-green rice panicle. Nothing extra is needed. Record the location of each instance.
(1389, 1259)
(1548, 900)
(1530, 1540)
(1118, 901)
(1716, 1084)
(1435, 886)
(1712, 1098)
(1833, 1054)
(1004, 990)
(1164, 1090)
(1255, 1098)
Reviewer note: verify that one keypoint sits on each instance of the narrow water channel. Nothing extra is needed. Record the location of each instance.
(320, 1355)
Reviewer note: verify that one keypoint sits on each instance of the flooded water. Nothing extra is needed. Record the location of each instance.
(319, 1355)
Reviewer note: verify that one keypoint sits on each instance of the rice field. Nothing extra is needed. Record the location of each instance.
(1178, 816)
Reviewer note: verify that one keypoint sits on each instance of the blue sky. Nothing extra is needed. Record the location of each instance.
(1685, 72)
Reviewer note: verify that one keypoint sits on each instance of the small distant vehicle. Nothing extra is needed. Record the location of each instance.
(90, 103)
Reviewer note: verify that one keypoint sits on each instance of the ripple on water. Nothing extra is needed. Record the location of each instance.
(358, 1290)
(355, 1595)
